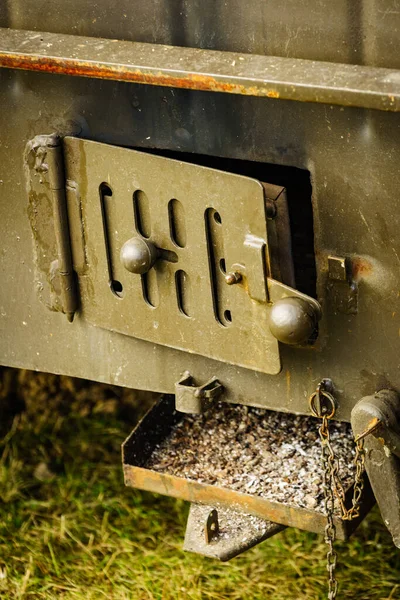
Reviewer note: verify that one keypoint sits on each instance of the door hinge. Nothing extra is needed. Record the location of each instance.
(45, 161)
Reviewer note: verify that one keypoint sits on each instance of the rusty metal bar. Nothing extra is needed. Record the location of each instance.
(197, 69)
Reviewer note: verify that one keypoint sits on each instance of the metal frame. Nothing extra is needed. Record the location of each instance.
(198, 69)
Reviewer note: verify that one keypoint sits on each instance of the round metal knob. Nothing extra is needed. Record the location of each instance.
(138, 255)
(293, 320)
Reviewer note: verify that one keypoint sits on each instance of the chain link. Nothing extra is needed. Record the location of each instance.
(330, 529)
(323, 406)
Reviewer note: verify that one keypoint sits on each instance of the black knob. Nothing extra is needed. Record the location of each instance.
(293, 320)
(138, 255)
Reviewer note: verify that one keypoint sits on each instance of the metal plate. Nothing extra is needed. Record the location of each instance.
(207, 222)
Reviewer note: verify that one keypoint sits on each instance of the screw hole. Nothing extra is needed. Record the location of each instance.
(117, 288)
(217, 218)
(228, 316)
(222, 265)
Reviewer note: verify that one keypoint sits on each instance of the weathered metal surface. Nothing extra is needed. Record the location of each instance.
(352, 156)
(233, 532)
(187, 234)
(346, 31)
(354, 215)
(376, 419)
(157, 424)
(176, 487)
(342, 290)
(198, 69)
(177, 303)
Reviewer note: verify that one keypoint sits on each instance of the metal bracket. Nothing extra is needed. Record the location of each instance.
(234, 532)
(343, 291)
(211, 529)
(189, 397)
(377, 419)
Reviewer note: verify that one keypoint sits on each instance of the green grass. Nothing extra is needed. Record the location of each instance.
(69, 529)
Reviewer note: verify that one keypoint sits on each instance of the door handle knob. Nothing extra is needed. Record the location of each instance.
(138, 255)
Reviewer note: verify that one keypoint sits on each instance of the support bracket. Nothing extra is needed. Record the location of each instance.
(234, 533)
(189, 398)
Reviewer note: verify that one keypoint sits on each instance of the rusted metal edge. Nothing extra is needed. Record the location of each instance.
(198, 69)
(192, 491)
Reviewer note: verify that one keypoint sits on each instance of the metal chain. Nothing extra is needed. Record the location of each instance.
(323, 406)
(329, 504)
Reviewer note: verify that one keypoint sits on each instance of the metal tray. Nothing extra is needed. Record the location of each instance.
(157, 425)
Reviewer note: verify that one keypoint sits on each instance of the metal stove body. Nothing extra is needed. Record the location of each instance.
(209, 192)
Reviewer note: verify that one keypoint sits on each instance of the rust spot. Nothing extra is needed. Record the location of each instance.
(273, 94)
(361, 268)
(192, 491)
(373, 425)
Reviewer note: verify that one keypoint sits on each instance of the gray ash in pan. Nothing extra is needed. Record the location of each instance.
(273, 455)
